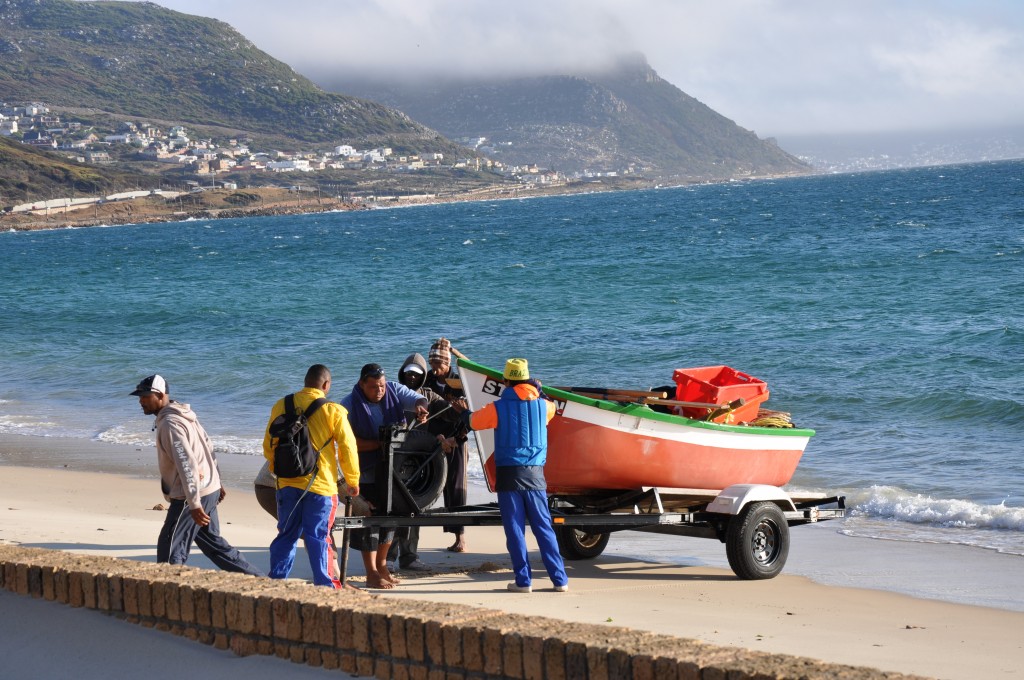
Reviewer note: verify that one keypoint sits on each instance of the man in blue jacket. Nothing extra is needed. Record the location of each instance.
(373, 403)
(520, 422)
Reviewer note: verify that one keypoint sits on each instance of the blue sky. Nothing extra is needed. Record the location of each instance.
(778, 67)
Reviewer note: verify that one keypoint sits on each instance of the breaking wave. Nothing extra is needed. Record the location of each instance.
(892, 513)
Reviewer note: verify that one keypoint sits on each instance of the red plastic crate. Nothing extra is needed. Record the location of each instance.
(719, 385)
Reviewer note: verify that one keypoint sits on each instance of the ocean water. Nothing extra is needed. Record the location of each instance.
(885, 310)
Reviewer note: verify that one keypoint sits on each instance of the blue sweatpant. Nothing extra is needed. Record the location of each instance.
(179, 532)
(516, 507)
(313, 517)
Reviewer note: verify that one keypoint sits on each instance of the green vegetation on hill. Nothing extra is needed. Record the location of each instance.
(625, 116)
(27, 174)
(140, 60)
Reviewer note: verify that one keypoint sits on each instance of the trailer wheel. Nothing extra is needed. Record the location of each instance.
(424, 475)
(421, 466)
(757, 541)
(576, 544)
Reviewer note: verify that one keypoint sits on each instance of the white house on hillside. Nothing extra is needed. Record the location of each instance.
(300, 165)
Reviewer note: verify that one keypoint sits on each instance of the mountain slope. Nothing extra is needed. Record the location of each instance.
(28, 174)
(603, 121)
(138, 59)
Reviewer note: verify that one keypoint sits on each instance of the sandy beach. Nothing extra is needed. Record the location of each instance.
(59, 503)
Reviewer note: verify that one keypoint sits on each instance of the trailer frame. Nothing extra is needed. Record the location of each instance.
(753, 520)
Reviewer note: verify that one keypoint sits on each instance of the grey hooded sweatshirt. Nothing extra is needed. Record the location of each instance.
(188, 468)
(449, 422)
(416, 359)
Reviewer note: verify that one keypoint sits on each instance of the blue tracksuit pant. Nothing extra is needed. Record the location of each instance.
(313, 517)
(516, 507)
(180, 531)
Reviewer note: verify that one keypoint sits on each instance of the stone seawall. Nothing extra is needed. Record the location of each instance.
(379, 636)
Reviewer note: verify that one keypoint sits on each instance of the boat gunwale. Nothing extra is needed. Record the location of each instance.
(644, 411)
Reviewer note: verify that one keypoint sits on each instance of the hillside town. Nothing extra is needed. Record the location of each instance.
(139, 141)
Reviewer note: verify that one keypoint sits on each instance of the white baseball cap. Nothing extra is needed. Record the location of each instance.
(154, 384)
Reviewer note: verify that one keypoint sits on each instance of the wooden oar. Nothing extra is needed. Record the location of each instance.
(456, 383)
(714, 410)
(726, 408)
(640, 394)
(605, 396)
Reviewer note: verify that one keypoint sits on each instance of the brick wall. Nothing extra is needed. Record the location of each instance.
(378, 636)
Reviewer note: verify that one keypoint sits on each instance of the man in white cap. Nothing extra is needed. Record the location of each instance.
(190, 481)
(519, 419)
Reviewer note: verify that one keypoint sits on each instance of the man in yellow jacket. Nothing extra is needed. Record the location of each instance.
(308, 504)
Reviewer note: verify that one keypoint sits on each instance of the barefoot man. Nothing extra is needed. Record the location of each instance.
(374, 402)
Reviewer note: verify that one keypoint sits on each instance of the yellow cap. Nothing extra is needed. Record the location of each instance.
(516, 369)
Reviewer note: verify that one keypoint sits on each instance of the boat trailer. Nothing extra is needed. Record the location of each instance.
(752, 520)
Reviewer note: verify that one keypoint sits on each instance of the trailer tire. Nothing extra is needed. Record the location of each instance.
(421, 466)
(425, 482)
(576, 544)
(757, 541)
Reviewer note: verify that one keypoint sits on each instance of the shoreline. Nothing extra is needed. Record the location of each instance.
(114, 515)
(121, 213)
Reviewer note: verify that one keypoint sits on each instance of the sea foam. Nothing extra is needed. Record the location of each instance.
(892, 513)
(890, 502)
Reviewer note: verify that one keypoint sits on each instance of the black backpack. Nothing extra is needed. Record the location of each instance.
(295, 455)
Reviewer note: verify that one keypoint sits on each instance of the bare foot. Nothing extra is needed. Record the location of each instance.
(386, 575)
(375, 581)
(458, 546)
